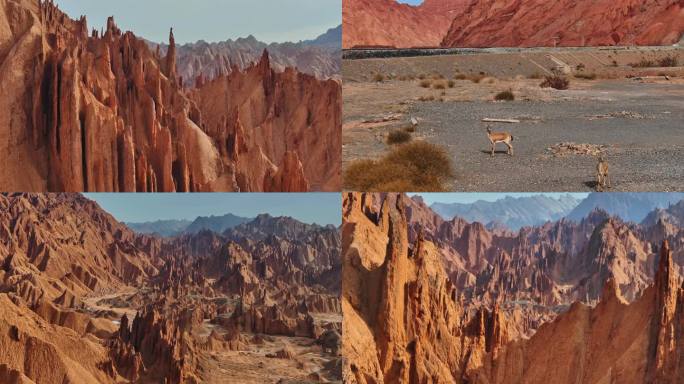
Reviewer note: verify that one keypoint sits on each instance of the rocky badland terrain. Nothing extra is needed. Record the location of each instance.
(449, 301)
(512, 23)
(102, 111)
(85, 299)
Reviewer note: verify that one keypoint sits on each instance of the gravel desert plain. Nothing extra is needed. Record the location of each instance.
(571, 86)
(619, 104)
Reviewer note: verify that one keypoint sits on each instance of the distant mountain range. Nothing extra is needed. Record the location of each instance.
(513, 213)
(628, 206)
(169, 228)
(320, 57)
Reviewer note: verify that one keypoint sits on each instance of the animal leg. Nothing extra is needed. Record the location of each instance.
(510, 148)
(493, 146)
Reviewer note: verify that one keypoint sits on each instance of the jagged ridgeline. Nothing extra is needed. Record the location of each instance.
(429, 300)
(84, 299)
(101, 111)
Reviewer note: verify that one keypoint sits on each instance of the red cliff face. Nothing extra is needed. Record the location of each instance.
(101, 112)
(280, 131)
(529, 23)
(388, 23)
(512, 23)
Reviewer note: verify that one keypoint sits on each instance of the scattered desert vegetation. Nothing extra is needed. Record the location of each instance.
(416, 166)
(460, 76)
(398, 137)
(425, 83)
(451, 83)
(439, 85)
(505, 96)
(555, 82)
(668, 61)
(427, 98)
(585, 76)
(378, 78)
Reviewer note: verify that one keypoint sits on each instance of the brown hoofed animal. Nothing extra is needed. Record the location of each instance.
(500, 137)
(602, 177)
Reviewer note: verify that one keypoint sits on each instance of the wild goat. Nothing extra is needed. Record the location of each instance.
(500, 137)
(602, 176)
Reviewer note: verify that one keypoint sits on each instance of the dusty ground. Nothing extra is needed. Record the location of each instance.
(639, 123)
(252, 366)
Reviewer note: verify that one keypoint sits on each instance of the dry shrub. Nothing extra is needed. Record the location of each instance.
(668, 61)
(451, 83)
(426, 98)
(379, 78)
(421, 76)
(505, 96)
(535, 76)
(415, 167)
(439, 85)
(586, 76)
(410, 128)
(425, 83)
(643, 63)
(460, 76)
(398, 137)
(476, 78)
(555, 82)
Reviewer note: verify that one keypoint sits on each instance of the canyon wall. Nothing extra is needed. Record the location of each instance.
(100, 111)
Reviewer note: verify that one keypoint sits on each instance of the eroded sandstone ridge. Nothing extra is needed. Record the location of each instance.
(404, 321)
(512, 23)
(448, 301)
(569, 23)
(389, 23)
(100, 111)
(84, 299)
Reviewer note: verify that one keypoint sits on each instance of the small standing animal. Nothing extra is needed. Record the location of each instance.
(500, 137)
(602, 176)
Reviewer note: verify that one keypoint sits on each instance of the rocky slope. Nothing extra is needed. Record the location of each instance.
(388, 23)
(97, 111)
(410, 305)
(319, 57)
(611, 342)
(84, 299)
(511, 212)
(404, 322)
(280, 131)
(512, 23)
(530, 23)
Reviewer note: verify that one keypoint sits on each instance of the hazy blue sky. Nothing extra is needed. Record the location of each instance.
(431, 198)
(412, 2)
(212, 20)
(320, 208)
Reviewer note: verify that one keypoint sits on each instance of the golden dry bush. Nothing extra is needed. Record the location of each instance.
(417, 166)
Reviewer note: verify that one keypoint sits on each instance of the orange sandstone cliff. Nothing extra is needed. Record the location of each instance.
(404, 321)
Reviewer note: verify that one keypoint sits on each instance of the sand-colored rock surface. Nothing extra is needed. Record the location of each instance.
(100, 111)
(404, 322)
(600, 295)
